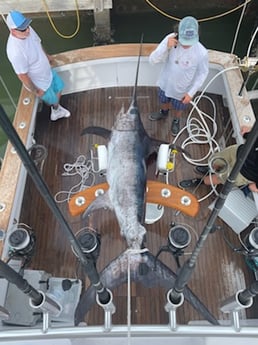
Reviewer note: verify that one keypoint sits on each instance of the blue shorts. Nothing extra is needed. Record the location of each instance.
(51, 94)
(177, 105)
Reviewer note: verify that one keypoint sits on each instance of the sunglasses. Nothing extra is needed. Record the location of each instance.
(22, 30)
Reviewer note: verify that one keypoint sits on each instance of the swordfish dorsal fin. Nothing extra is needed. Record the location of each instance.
(101, 131)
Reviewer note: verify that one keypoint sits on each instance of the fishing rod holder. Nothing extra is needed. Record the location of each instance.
(179, 238)
(89, 241)
(46, 304)
(109, 309)
(233, 305)
(171, 308)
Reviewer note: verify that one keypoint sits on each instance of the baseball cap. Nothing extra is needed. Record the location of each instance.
(16, 20)
(188, 31)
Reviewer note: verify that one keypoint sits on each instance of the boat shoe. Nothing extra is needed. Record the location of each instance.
(184, 184)
(162, 114)
(59, 113)
(202, 169)
(175, 127)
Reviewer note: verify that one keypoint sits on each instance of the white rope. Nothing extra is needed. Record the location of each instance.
(130, 252)
(199, 132)
(82, 168)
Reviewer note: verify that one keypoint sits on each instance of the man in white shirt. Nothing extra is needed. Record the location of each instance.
(31, 64)
(185, 69)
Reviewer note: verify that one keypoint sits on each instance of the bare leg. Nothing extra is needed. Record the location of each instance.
(177, 113)
(164, 106)
(213, 178)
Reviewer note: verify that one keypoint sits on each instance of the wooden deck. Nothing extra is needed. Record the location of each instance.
(219, 272)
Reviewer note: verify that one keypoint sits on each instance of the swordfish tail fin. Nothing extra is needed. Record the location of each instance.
(144, 269)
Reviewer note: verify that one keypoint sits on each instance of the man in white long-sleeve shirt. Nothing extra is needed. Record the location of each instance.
(185, 69)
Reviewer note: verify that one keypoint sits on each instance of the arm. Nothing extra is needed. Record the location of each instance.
(160, 54)
(27, 82)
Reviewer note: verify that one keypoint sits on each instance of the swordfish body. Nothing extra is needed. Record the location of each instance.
(126, 174)
(129, 148)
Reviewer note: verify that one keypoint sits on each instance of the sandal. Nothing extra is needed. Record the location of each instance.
(189, 183)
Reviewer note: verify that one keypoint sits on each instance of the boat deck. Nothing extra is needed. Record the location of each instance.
(219, 272)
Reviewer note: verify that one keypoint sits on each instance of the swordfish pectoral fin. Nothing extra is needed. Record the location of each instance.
(101, 201)
(144, 269)
(100, 131)
(80, 201)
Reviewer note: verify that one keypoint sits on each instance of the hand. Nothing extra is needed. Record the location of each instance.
(50, 59)
(186, 99)
(39, 92)
(252, 187)
(245, 129)
(172, 41)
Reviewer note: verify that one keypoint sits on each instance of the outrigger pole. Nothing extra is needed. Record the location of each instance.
(89, 266)
(186, 271)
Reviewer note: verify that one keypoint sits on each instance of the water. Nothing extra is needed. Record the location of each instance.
(216, 34)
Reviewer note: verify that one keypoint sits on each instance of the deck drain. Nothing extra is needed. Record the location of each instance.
(26, 101)
(22, 125)
(99, 192)
(2, 207)
(246, 118)
(165, 192)
(80, 201)
(185, 200)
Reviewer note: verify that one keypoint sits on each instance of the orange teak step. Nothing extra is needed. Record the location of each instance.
(157, 193)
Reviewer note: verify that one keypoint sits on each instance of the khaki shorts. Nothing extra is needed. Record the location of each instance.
(224, 162)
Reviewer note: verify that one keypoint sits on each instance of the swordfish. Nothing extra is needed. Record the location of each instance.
(129, 148)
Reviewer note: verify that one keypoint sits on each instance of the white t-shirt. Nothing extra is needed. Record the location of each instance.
(184, 70)
(27, 56)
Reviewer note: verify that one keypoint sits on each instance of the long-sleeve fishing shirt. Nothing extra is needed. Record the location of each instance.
(185, 68)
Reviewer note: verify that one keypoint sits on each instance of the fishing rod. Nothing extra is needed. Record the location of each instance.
(88, 265)
(175, 294)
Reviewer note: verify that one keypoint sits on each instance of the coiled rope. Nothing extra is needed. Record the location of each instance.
(83, 169)
(55, 28)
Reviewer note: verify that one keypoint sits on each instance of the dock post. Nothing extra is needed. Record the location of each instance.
(102, 28)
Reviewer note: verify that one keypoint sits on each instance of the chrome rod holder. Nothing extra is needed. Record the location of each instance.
(171, 308)
(233, 305)
(109, 309)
